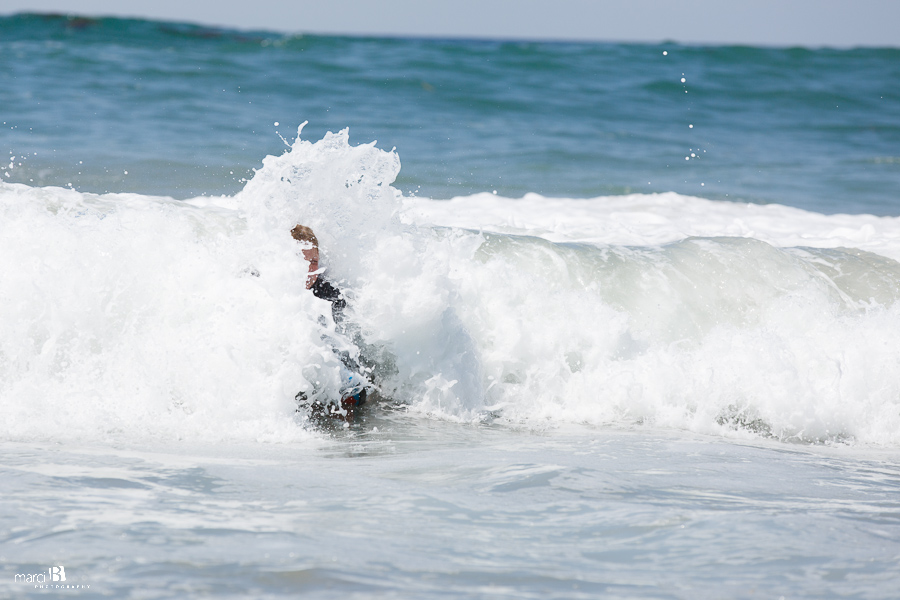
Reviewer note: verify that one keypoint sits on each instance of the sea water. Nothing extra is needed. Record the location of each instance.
(633, 310)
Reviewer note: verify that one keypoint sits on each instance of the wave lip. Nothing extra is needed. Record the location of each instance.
(652, 219)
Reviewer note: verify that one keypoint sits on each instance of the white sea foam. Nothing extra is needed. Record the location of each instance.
(653, 219)
(683, 312)
(131, 315)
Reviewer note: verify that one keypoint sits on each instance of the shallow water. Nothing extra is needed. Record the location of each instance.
(434, 509)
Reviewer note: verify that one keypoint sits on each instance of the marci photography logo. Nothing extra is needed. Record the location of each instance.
(54, 578)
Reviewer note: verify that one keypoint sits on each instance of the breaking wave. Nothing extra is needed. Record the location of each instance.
(134, 315)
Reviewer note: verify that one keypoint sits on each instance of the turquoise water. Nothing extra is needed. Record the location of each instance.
(188, 110)
(603, 372)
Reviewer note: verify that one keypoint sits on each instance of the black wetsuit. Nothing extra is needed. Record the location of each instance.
(324, 290)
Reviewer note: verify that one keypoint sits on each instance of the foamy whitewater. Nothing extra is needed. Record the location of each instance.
(612, 377)
(140, 316)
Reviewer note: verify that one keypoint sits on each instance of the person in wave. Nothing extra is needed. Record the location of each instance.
(321, 288)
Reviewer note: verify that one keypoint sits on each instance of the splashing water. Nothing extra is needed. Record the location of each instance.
(134, 315)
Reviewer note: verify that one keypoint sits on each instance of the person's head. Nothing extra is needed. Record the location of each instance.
(305, 236)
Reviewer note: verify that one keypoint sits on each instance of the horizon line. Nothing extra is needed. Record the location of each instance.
(446, 37)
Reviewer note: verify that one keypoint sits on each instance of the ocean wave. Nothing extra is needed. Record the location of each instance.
(131, 315)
